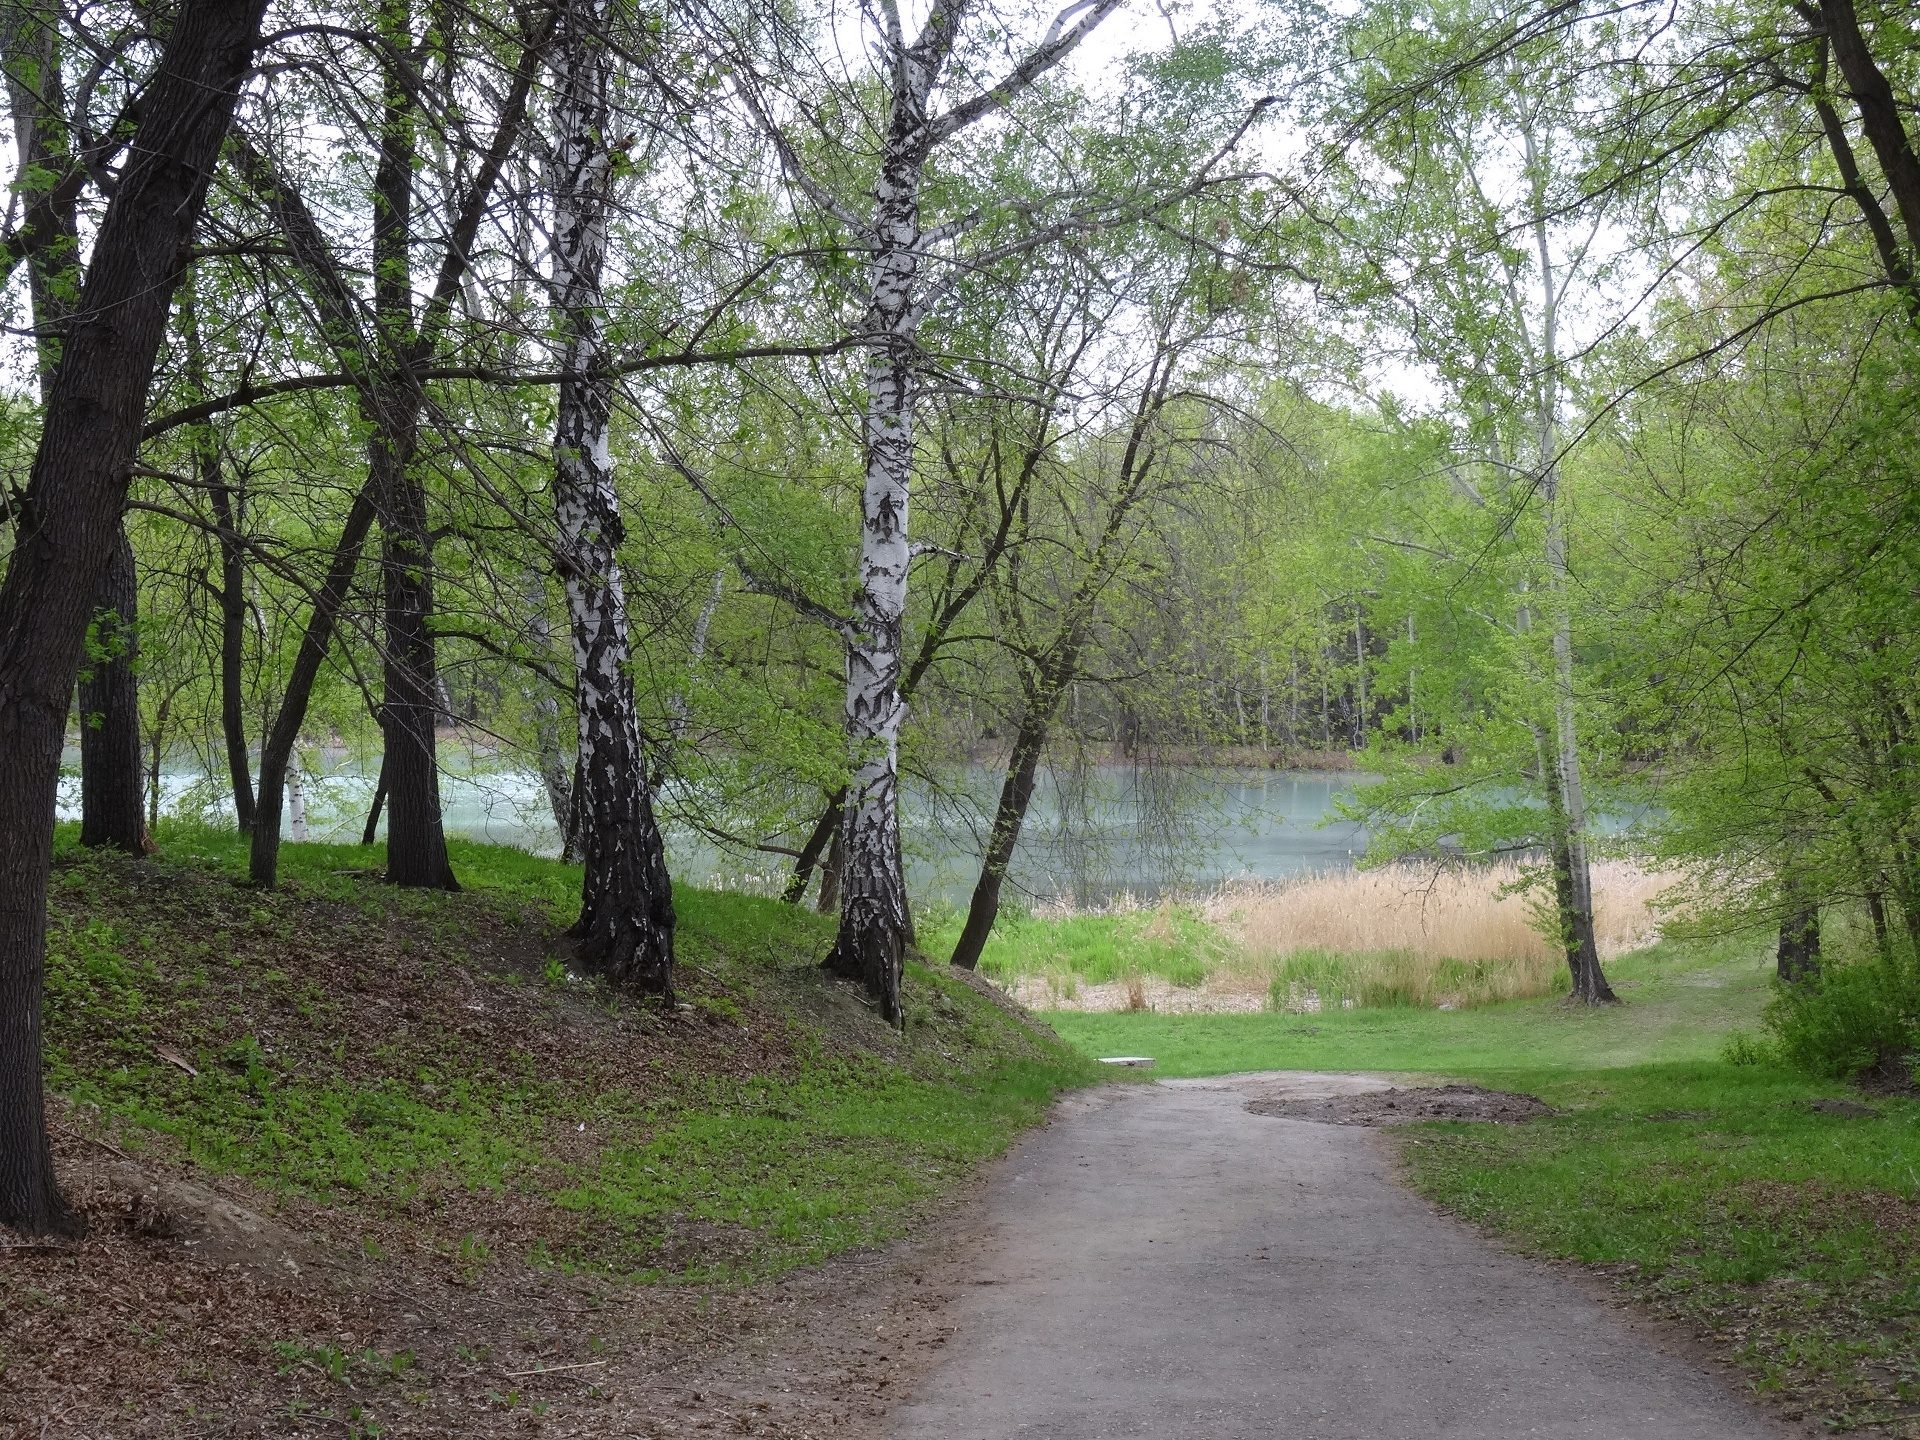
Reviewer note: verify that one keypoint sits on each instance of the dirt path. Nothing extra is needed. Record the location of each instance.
(1161, 1262)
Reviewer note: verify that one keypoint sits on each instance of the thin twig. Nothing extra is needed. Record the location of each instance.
(550, 1369)
(110, 1149)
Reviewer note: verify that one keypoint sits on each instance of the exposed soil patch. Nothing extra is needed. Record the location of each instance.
(249, 1092)
(187, 1313)
(1401, 1107)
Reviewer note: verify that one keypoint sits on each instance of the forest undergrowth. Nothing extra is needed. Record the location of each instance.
(412, 1091)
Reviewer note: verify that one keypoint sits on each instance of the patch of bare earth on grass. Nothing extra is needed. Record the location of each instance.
(1403, 1107)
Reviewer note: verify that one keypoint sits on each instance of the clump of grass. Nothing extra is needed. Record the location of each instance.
(1121, 943)
(1307, 981)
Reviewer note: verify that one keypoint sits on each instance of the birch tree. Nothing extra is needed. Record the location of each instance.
(908, 262)
(626, 907)
(1481, 255)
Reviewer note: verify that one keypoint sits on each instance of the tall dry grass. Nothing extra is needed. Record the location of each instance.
(1457, 914)
(1395, 936)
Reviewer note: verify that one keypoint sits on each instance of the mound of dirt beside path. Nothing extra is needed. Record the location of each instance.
(1400, 1107)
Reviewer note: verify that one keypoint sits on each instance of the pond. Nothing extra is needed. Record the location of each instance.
(1092, 833)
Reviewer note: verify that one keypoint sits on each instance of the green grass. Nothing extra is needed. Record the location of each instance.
(1719, 1197)
(420, 1069)
(1680, 999)
(1171, 943)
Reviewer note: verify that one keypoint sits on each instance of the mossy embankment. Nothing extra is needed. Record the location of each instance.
(432, 1060)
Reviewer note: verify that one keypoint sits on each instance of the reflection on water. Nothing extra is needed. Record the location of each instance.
(1090, 834)
(1142, 829)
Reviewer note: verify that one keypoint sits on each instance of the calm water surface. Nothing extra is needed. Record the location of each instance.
(1091, 834)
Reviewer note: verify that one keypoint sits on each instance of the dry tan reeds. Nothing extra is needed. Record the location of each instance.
(1377, 937)
(1450, 914)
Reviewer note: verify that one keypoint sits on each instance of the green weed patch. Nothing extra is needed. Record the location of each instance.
(1720, 1197)
(426, 1069)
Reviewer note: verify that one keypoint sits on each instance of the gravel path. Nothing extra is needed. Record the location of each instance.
(1161, 1262)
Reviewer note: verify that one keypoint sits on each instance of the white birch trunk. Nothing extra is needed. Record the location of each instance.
(626, 913)
(875, 928)
(1574, 876)
(296, 804)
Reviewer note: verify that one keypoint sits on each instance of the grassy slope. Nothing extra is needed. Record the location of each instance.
(1714, 1192)
(421, 1071)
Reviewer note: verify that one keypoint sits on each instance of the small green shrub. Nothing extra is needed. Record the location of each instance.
(1745, 1048)
(1854, 1018)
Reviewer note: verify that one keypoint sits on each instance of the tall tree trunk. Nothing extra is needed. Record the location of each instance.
(1016, 796)
(110, 691)
(370, 831)
(233, 643)
(626, 906)
(1797, 960)
(1879, 112)
(228, 512)
(824, 830)
(110, 779)
(828, 902)
(410, 708)
(874, 925)
(1572, 904)
(276, 751)
(1573, 876)
(89, 435)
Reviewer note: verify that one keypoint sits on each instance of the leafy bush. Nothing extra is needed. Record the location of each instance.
(1745, 1048)
(1856, 1017)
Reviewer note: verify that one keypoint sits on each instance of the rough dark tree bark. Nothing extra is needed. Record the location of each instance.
(1016, 797)
(111, 784)
(228, 501)
(90, 433)
(626, 904)
(233, 635)
(110, 686)
(276, 750)
(823, 831)
(834, 867)
(1797, 960)
(383, 369)
(410, 708)
(1051, 674)
(1879, 111)
(370, 832)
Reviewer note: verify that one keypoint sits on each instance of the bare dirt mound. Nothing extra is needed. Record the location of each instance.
(1401, 1107)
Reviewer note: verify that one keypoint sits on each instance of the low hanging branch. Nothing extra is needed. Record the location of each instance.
(251, 394)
